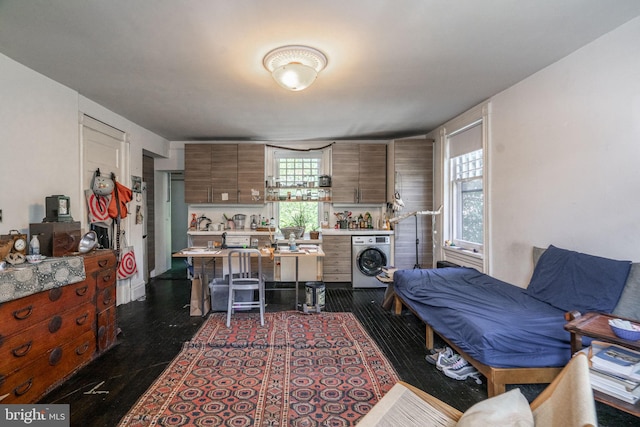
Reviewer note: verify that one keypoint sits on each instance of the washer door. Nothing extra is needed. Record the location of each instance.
(370, 261)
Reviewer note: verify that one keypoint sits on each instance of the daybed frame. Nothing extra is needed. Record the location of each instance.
(497, 378)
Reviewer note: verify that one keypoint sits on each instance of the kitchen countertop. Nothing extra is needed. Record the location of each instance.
(356, 232)
(325, 231)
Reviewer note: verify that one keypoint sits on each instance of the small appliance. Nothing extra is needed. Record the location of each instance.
(58, 209)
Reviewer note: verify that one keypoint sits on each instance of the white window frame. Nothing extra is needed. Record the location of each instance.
(274, 154)
(465, 253)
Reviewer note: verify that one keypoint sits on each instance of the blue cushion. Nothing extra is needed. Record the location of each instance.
(571, 280)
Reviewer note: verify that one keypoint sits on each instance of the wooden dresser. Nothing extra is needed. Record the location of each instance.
(45, 337)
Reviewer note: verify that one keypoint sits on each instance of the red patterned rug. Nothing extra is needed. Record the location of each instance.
(296, 370)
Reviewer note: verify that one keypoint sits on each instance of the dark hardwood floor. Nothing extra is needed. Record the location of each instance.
(153, 331)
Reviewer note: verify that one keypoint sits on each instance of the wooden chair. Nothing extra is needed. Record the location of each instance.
(566, 402)
(242, 279)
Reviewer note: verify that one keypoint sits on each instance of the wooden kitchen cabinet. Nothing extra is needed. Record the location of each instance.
(210, 170)
(337, 258)
(413, 164)
(46, 336)
(250, 172)
(197, 173)
(224, 173)
(359, 173)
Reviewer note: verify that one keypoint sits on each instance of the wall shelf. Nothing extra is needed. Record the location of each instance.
(290, 194)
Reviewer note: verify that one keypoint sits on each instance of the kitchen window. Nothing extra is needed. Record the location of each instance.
(295, 171)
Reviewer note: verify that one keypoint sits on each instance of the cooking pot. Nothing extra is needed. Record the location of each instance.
(324, 181)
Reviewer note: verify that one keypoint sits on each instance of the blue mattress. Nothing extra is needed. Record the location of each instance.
(494, 322)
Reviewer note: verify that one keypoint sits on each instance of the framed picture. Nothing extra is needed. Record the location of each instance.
(136, 184)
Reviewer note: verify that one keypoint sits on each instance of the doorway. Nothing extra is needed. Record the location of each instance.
(148, 235)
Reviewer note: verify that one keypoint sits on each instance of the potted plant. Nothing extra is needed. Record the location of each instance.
(296, 224)
(314, 234)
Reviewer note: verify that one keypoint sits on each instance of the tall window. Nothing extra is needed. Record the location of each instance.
(467, 187)
(294, 170)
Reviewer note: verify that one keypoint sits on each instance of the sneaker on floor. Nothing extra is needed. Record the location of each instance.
(432, 357)
(462, 372)
(459, 363)
(445, 362)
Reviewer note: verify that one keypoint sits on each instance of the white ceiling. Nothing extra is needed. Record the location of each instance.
(192, 69)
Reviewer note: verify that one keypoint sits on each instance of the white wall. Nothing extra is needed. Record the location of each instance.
(41, 151)
(564, 157)
(38, 145)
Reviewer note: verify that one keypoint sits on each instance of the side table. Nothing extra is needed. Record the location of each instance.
(596, 325)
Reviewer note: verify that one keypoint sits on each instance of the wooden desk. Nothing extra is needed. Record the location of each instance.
(596, 325)
(224, 253)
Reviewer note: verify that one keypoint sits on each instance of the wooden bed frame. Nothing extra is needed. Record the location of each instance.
(497, 378)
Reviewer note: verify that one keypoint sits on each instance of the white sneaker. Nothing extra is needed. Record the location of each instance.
(432, 358)
(445, 362)
(461, 371)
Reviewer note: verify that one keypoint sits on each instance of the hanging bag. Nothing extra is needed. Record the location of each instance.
(98, 209)
(101, 185)
(127, 266)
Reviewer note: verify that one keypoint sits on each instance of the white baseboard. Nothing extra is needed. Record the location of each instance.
(123, 292)
(137, 291)
(128, 291)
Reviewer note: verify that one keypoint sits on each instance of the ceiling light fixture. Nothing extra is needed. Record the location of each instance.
(295, 67)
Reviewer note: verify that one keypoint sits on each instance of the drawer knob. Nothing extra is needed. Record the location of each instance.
(55, 356)
(82, 349)
(23, 388)
(55, 294)
(82, 290)
(107, 297)
(102, 263)
(55, 323)
(80, 320)
(23, 313)
(22, 350)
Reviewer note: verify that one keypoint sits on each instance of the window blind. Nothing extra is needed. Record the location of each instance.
(466, 140)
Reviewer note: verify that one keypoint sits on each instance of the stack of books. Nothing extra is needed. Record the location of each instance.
(615, 371)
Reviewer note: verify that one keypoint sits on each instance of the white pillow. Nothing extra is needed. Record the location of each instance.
(509, 409)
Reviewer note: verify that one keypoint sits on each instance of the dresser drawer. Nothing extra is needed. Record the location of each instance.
(23, 313)
(33, 380)
(20, 349)
(99, 260)
(106, 278)
(105, 298)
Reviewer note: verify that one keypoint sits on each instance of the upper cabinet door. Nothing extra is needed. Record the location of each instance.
(359, 173)
(373, 173)
(197, 173)
(345, 166)
(250, 173)
(224, 173)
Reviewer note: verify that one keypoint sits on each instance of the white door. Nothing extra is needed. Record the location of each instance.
(104, 148)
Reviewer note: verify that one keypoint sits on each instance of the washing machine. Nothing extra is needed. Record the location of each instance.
(369, 255)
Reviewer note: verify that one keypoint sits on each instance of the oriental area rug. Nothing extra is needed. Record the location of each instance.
(319, 369)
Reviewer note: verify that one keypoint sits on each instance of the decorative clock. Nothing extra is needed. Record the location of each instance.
(19, 244)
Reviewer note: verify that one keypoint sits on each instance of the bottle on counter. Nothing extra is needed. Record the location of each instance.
(292, 242)
(34, 245)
